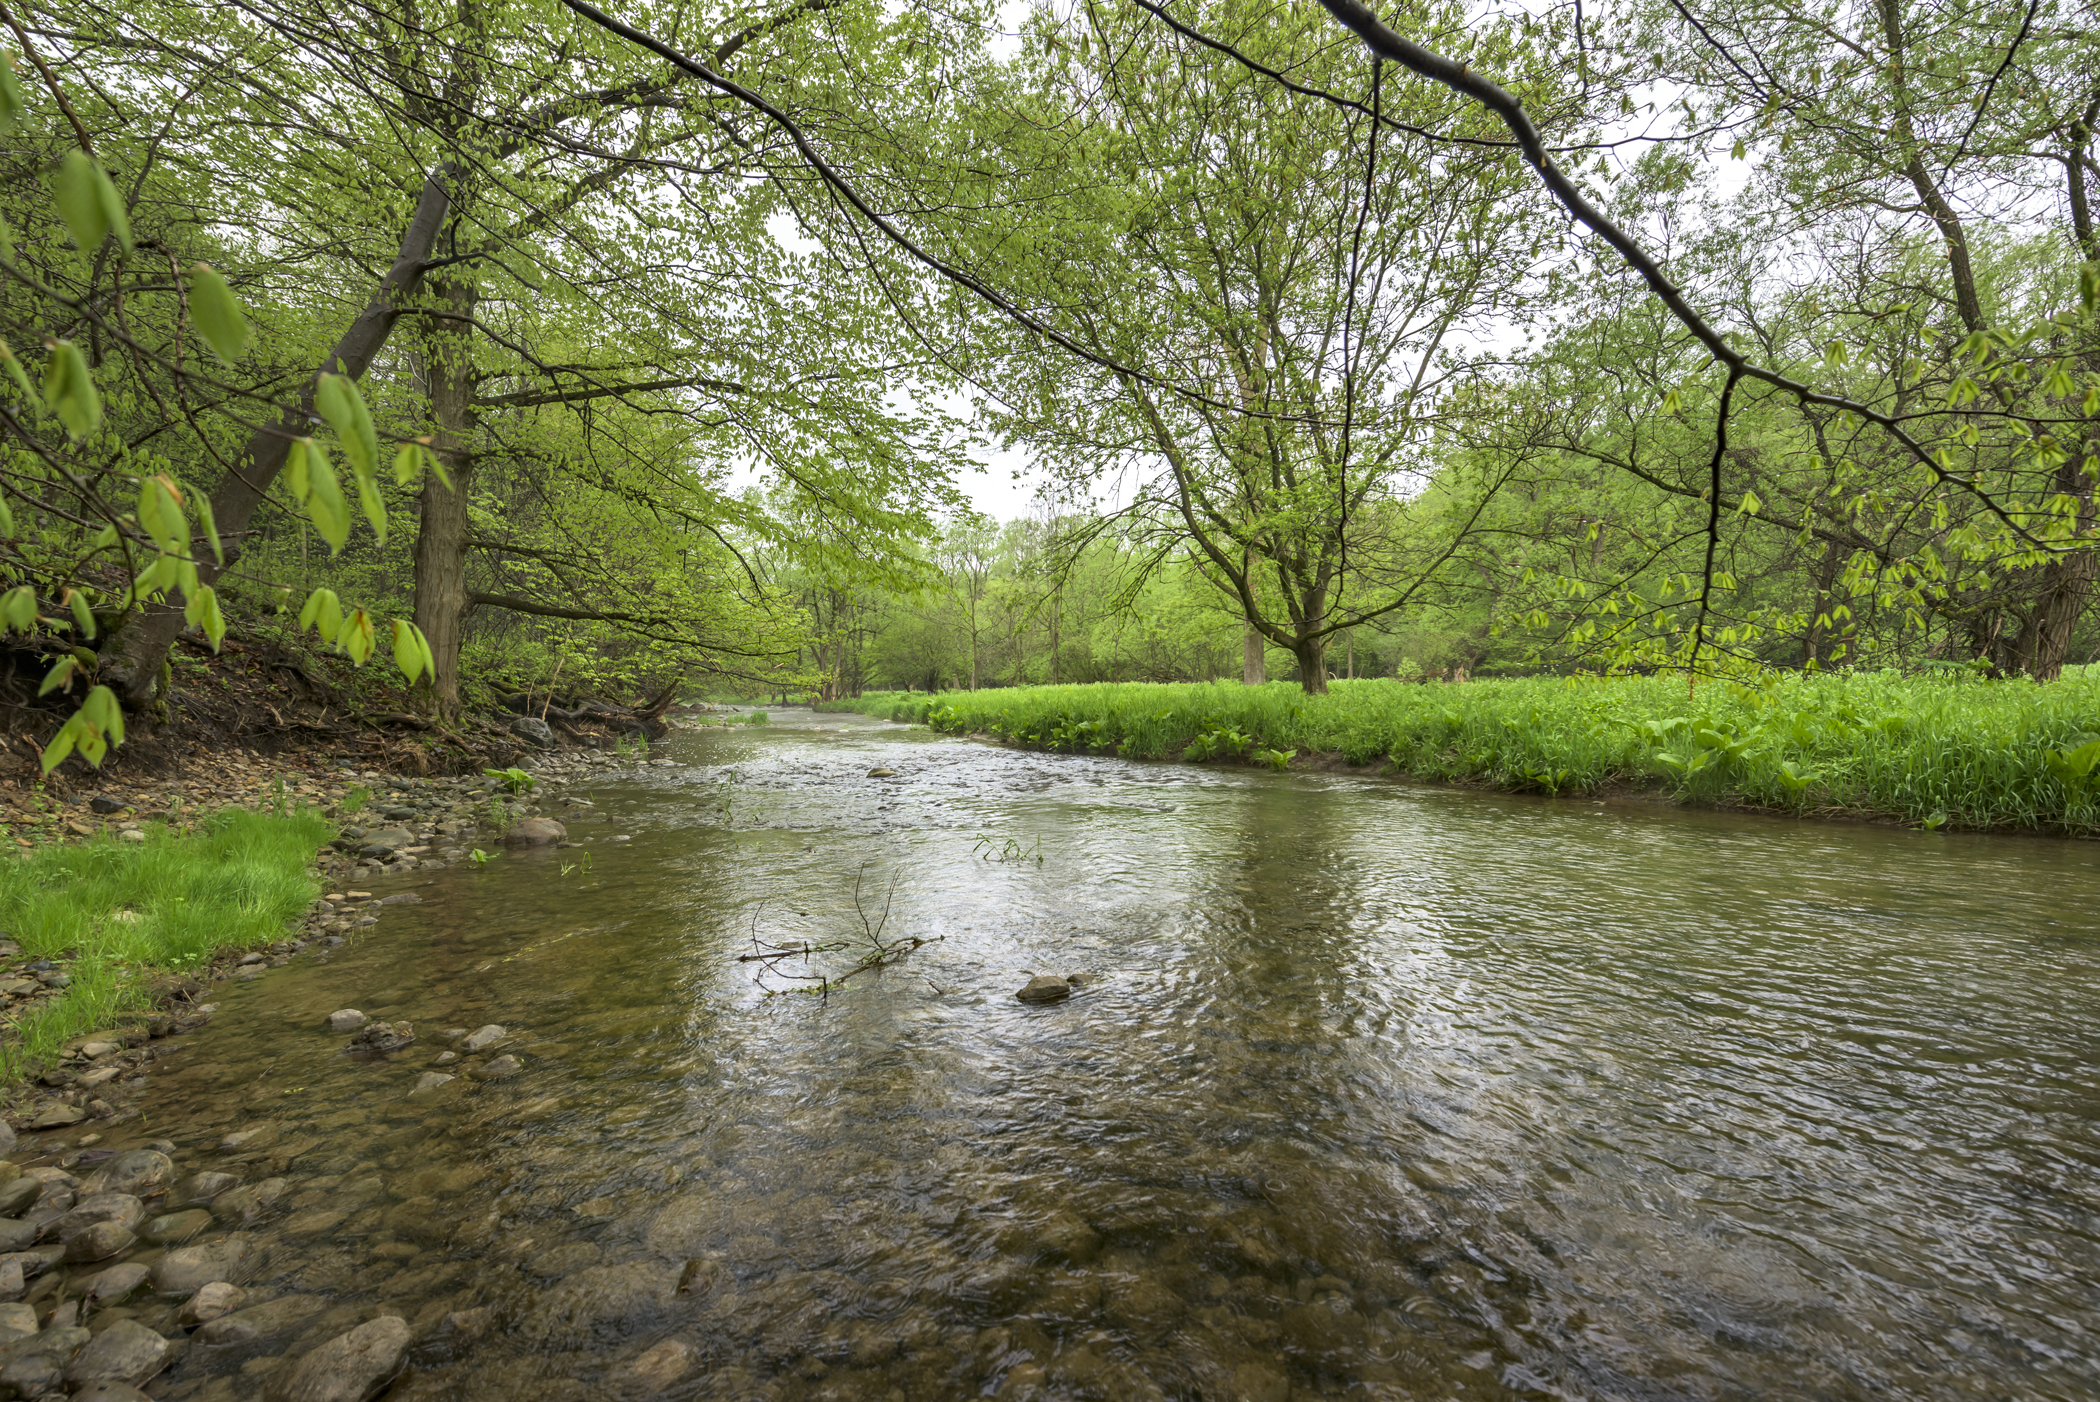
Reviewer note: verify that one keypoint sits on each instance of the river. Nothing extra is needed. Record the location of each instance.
(1373, 1091)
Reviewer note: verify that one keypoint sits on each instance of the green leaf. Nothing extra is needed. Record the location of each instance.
(375, 507)
(160, 513)
(1751, 505)
(337, 398)
(408, 464)
(7, 518)
(202, 609)
(357, 637)
(19, 377)
(7, 245)
(60, 675)
(411, 651)
(89, 203)
(324, 502)
(70, 389)
(2089, 285)
(18, 608)
(217, 313)
(83, 616)
(323, 613)
(211, 527)
(12, 108)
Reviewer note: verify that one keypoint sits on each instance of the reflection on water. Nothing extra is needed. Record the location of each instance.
(1378, 1092)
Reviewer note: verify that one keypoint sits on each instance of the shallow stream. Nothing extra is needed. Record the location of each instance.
(1374, 1091)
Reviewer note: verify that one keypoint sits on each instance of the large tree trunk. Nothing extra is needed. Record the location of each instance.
(2063, 601)
(1254, 667)
(441, 542)
(1312, 666)
(139, 650)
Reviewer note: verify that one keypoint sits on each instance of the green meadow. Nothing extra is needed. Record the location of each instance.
(1948, 750)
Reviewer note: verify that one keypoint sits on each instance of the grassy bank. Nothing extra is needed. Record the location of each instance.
(1952, 750)
(113, 914)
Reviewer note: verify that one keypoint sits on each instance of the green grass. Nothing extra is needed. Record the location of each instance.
(121, 912)
(1947, 749)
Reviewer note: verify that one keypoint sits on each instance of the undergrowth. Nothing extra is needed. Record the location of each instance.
(1951, 749)
(123, 911)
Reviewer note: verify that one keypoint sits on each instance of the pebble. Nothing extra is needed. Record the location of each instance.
(483, 1038)
(174, 1228)
(499, 1069)
(213, 1298)
(200, 1188)
(186, 1268)
(19, 1196)
(666, 1363)
(880, 773)
(430, 1081)
(100, 1242)
(245, 1140)
(346, 1020)
(115, 1285)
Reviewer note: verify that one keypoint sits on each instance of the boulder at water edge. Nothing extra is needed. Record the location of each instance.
(532, 728)
(1045, 988)
(536, 832)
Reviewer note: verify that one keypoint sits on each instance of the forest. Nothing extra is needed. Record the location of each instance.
(514, 338)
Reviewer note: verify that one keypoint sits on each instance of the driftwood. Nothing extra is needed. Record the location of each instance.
(648, 717)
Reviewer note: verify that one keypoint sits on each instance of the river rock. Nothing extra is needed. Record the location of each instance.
(115, 1285)
(139, 1172)
(502, 1068)
(482, 1038)
(1045, 988)
(346, 1020)
(58, 1115)
(184, 1269)
(18, 1235)
(1260, 1382)
(175, 1228)
(126, 1352)
(380, 1038)
(247, 1141)
(659, 1367)
(430, 1081)
(381, 842)
(247, 1204)
(19, 1196)
(266, 1320)
(536, 832)
(100, 1242)
(8, 1138)
(881, 773)
(199, 1189)
(36, 1260)
(11, 1278)
(121, 1208)
(349, 1368)
(213, 1299)
(110, 1392)
(532, 728)
(17, 1321)
(35, 1366)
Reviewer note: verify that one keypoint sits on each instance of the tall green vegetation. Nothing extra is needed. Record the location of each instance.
(1946, 750)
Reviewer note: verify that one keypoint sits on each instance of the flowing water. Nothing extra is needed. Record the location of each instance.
(1374, 1091)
